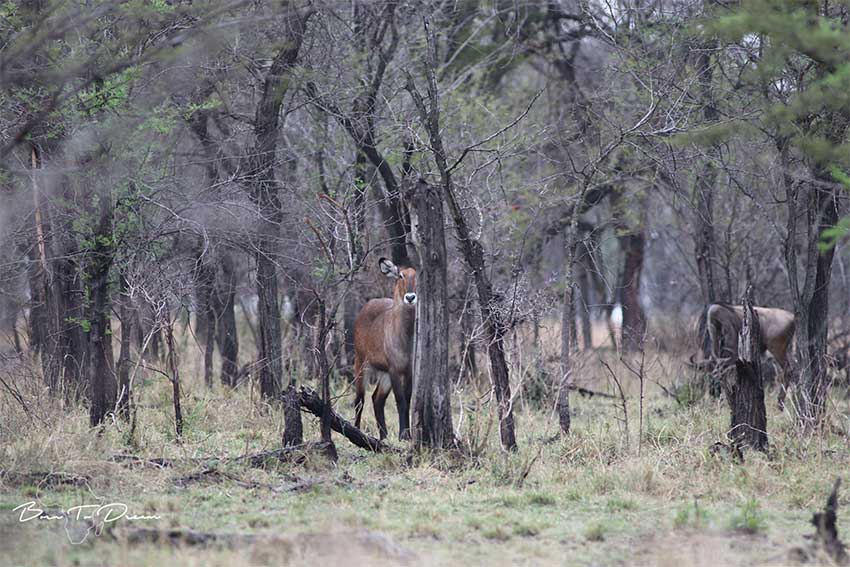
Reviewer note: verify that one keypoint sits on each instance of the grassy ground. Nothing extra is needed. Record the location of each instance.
(597, 497)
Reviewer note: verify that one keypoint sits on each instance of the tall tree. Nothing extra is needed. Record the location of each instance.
(495, 326)
(265, 189)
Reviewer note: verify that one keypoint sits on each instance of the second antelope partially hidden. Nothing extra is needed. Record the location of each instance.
(723, 324)
(383, 349)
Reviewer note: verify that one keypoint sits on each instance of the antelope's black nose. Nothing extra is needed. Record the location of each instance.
(410, 298)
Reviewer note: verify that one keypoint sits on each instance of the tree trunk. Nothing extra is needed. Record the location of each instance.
(632, 242)
(320, 351)
(634, 321)
(174, 372)
(293, 429)
(432, 414)
(467, 342)
(268, 310)
(746, 395)
(125, 315)
(704, 238)
(70, 300)
(813, 323)
(37, 320)
(567, 328)
(206, 316)
(584, 307)
(228, 340)
(568, 316)
(264, 189)
(102, 384)
(45, 312)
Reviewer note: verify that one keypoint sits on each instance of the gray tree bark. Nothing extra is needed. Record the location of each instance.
(431, 424)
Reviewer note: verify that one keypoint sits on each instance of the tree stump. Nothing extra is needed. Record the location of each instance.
(431, 423)
(293, 430)
(745, 391)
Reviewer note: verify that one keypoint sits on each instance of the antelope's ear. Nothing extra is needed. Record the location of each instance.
(388, 268)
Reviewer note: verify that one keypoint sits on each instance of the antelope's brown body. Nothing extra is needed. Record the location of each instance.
(383, 345)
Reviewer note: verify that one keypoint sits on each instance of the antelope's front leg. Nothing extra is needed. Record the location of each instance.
(403, 404)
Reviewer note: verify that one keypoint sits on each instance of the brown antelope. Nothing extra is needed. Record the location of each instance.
(383, 343)
(723, 323)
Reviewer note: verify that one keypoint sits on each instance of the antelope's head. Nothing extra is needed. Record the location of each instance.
(404, 291)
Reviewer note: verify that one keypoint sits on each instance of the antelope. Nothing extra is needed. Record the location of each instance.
(724, 324)
(383, 343)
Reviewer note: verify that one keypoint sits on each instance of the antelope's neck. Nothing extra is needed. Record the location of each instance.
(404, 321)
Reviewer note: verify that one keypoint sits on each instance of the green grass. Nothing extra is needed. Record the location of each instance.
(587, 499)
(749, 518)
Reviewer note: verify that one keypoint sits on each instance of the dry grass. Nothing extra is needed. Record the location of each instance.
(587, 499)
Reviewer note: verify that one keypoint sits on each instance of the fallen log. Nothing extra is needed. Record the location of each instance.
(312, 402)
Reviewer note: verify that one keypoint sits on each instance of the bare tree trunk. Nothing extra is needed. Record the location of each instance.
(37, 320)
(206, 316)
(705, 241)
(264, 189)
(584, 305)
(632, 242)
(125, 315)
(70, 299)
(432, 413)
(228, 340)
(320, 352)
(268, 310)
(209, 351)
(567, 328)
(45, 310)
(576, 297)
(217, 320)
(634, 321)
(813, 323)
(746, 394)
(174, 372)
(293, 429)
(102, 383)
(467, 342)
